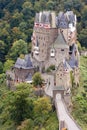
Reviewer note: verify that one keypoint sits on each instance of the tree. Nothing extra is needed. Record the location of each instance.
(50, 5)
(1, 67)
(26, 125)
(84, 16)
(2, 50)
(8, 64)
(82, 37)
(19, 47)
(42, 108)
(21, 105)
(37, 79)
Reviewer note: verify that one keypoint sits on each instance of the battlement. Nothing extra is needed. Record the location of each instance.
(45, 19)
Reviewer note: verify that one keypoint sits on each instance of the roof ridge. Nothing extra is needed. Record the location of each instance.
(63, 37)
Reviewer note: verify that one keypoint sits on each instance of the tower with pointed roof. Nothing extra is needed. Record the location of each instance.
(58, 51)
(45, 33)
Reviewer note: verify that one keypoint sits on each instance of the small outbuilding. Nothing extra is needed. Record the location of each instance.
(24, 70)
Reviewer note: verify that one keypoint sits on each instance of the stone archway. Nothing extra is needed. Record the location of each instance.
(58, 96)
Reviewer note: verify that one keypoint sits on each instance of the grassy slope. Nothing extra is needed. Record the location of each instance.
(79, 97)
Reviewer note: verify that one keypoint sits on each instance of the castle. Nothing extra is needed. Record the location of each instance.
(54, 42)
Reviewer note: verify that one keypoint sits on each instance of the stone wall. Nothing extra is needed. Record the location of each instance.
(69, 36)
(63, 77)
(60, 55)
(76, 75)
(21, 74)
(45, 38)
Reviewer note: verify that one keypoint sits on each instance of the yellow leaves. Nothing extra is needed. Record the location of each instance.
(16, 30)
(42, 106)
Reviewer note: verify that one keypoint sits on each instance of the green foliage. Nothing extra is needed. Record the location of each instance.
(51, 67)
(8, 64)
(17, 20)
(83, 38)
(79, 97)
(79, 46)
(2, 77)
(1, 67)
(42, 106)
(2, 50)
(20, 109)
(26, 125)
(19, 47)
(37, 79)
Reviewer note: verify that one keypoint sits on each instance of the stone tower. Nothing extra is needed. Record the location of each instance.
(66, 23)
(44, 34)
(54, 39)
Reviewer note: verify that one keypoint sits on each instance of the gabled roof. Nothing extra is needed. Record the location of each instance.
(64, 19)
(73, 62)
(70, 16)
(65, 65)
(60, 42)
(24, 63)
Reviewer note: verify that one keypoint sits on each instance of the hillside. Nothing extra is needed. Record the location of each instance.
(79, 96)
(22, 109)
(17, 18)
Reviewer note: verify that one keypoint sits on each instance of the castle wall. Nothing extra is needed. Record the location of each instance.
(76, 75)
(60, 55)
(63, 77)
(21, 74)
(70, 37)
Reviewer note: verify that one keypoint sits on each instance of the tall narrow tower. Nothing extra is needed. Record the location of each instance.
(44, 34)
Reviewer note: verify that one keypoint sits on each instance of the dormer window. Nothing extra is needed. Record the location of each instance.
(52, 53)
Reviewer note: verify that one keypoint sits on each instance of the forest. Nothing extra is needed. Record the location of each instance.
(16, 27)
(17, 20)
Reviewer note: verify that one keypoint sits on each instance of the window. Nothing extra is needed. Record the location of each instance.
(62, 49)
(52, 53)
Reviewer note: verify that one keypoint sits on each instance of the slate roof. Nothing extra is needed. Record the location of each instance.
(67, 66)
(24, 63)
(63, 19)
(73, 62)
(60, 42)
(70, 16)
